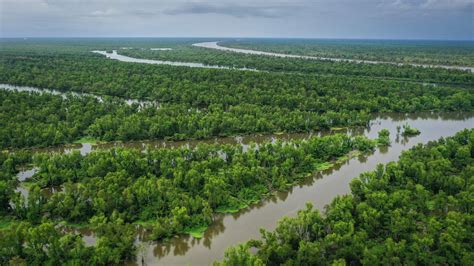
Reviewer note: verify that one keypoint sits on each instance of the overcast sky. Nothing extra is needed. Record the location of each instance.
(382, 19)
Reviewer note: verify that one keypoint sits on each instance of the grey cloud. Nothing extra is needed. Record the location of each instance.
(144, 13)
(433, 5)
(239, 11)
(103, 13)
(417, 19)
(458, 5)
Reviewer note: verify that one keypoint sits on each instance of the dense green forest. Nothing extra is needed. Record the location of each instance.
(417, 210)
(215, 107)
(195, 103)
(305, 66)
(168, 190)
(232, 176)
(414, 211)
(47, 244)
(38, 59)
(402, 51)
(34, 119)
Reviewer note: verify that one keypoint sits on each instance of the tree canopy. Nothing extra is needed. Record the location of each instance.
(414, 211)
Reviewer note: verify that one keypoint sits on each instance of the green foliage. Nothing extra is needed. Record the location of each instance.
(45, 120)
(416, 211)
(33, 119)
(172, 190)
(232, 206)
(187, 53)
(200, 103)
(115, 242)
(410, 131)
(24, 244)
(324, 166)
(86, 140)
(384, 137)
(9, 164)
(6, 221)
(239, 255)
(400, 51)
(196, 232)
(26, 61)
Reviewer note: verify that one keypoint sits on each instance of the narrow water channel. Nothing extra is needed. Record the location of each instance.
(231, 229)
(10, 87)
(236, 228)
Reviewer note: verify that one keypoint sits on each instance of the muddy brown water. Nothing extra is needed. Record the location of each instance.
(231, 229)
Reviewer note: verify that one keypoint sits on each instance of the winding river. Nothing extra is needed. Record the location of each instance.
(215, 45)
(231, 229)
(114, 55)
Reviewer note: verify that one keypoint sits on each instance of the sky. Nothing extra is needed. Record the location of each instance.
(366, 19)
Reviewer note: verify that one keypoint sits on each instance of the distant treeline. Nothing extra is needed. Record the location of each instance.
(459, 53)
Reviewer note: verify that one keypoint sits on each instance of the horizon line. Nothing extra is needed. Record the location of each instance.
(228, 37)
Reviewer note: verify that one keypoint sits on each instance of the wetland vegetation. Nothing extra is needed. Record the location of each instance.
(179, 190)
